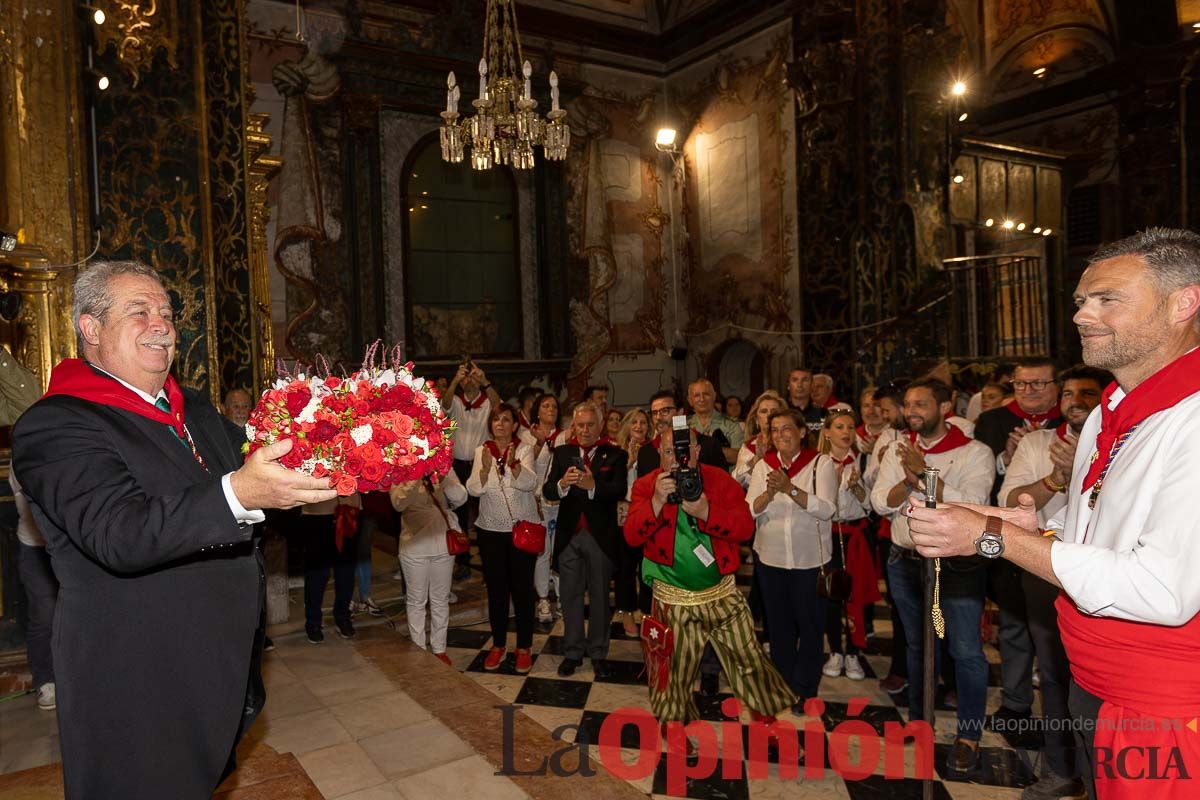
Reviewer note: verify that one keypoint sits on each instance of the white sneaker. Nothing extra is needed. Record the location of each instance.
(45, 697)
(833, 667)
(544, 614)
(854, 670)
(453, 598)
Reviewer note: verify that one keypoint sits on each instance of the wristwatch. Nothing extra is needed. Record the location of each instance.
(990, 543)
(794, 492)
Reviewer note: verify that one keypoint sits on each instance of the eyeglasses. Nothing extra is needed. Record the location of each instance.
(1036, 386)
(667, 411)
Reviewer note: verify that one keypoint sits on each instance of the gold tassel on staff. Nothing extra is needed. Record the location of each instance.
(939, 621)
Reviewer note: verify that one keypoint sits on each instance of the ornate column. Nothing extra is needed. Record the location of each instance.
(260, 168)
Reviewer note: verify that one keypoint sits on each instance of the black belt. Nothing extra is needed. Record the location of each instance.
(904, 552)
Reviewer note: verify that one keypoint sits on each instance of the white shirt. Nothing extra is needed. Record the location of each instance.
(27, 529)
(967, 474)
(787, 534)
(423, 525)
(1136, 556)
(472, 426)
(242, 515)
(975, 407)
(963, 424)
(743, 466)
(849, 507)
(887, 436)
(518, 492)
(1030, 463)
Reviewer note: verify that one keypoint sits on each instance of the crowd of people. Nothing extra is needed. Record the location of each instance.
(642, 517)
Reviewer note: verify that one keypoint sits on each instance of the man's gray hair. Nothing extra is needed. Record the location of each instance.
(586, 405)
(1172, 254)
(92, 296)
(821, 377)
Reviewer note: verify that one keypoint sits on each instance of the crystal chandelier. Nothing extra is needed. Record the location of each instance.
(506, 126)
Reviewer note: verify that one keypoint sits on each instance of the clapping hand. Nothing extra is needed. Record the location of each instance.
(1062, 456)
(778, 481)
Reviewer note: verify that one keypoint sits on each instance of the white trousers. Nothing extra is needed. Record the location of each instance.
(428, 579)
(541, 569)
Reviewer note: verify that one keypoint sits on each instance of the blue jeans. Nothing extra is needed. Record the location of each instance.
(962, 603)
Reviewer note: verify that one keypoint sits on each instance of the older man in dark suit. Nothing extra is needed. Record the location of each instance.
(147, 507)
(588, 478)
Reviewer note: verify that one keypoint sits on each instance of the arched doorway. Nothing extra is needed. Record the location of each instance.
(737, 367)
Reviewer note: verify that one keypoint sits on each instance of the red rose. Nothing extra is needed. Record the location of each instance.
(382, 436)
(373, 471)
(296, 401)
(320, 470)
(346, 485)
(323, 431)
(403, 425)
(333, 382)
(370, 452)
(403, 394)
(361, 408)
(292, 458)
(354, 463)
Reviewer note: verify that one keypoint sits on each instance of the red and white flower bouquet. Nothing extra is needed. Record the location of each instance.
(366, 432)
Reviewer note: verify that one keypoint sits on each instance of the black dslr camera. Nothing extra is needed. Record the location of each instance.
(688, 483)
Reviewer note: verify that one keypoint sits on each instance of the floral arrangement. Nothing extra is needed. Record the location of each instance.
(371, 430)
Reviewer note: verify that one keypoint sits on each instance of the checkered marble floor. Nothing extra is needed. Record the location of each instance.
(582, 702)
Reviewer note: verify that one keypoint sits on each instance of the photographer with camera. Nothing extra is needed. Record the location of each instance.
(588, 479)
(793, 495)
(689, 518)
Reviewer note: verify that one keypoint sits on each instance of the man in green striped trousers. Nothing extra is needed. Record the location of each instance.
(691, 555)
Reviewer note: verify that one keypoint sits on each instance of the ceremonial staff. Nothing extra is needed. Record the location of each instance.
(930, 574)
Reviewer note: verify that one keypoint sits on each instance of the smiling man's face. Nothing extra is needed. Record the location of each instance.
(135, 341)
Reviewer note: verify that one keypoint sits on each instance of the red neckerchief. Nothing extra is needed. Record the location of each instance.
(1036, 419)
(752, 446)
(953, 439)
(1061, 431)
(76, 378)
(849, 459)
(471, 405)
(605, 439)
(1162, 390)
(588, 453)
(656, 441)
(554, 434)
(862, 432)
(801, 461)
(830, 402)
(501, 461)
(522, 421)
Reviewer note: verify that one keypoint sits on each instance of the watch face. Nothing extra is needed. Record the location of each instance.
(989, 546)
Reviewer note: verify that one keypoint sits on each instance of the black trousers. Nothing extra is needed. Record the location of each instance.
(468, 511)
(797, 616)
(508, 572)
(1016, 647)
(630, 592)
(1055, 672)
(320, 556)
(1085, 707)
(835, 613)
(41, 587)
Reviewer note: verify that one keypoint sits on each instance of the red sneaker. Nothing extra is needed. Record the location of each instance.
(524, 660)
(494, 657)
(445, 659)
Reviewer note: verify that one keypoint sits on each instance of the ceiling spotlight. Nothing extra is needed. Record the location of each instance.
(102, 83)
(1039, 72)
(989, 222)
(1045, 231)
(962, 117)
(958, 177)
(1008, 224)
(1020, 226)
(958, 89)
(1038, 229)
(99, 17)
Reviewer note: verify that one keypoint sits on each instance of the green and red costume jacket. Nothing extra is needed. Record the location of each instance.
(729, 520)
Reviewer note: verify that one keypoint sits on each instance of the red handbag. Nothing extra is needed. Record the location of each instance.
(529, 537)
(457, 542)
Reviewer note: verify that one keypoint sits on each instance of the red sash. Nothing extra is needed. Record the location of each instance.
(1162, 390)
(953, 439)
(471, 405)
(76, 378)
(1037, 419)
(801, 461)
(864, 580)
(345, 524)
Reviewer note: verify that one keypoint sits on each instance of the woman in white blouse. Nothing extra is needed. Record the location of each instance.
(426, 510)
(838, 439)
(540, 437)
(631, 594)
(758, 438)
(504, 477)
(793, 496)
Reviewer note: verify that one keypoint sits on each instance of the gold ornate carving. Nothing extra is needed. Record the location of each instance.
(260, 167)
(138, 28)
(42, 333)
